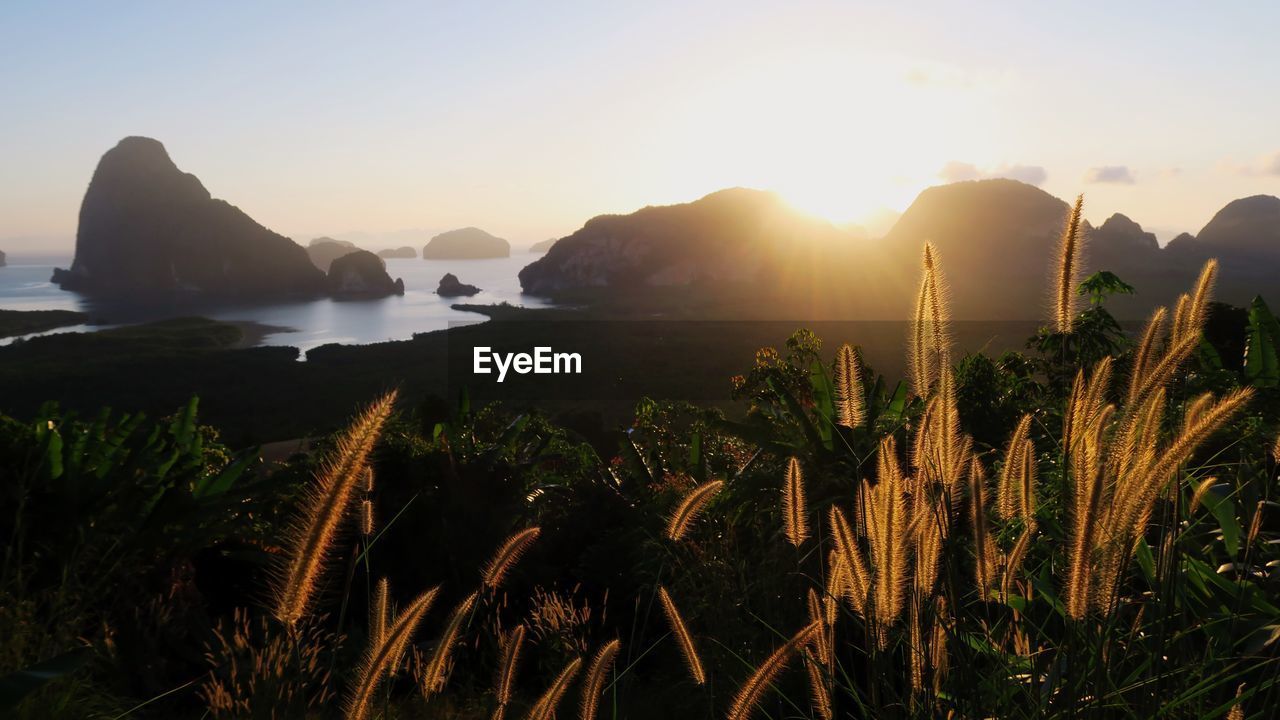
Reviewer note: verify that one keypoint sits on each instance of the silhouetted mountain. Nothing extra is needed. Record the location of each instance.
(466, 244)
(1120, 234)
(543, 246)
(451, 286)
(147, 227)
(736, 236)
(997, 240)
(362, 274)
(324, 250)
(400, 252)
(2, 262)
(1245, 237)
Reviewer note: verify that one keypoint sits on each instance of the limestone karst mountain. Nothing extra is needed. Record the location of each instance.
(400, 252)
(543, 246)
(324, 250)
(362, 274)
(996, 239)
(468, 243)
(735, 236)
(451, 286)
(147, 227)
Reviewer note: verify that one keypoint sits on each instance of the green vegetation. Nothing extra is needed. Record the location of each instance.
(1086, 528)
(23, 322)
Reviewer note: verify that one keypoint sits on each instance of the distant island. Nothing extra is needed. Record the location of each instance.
(362, 274)
(324, 250)
(451, 286)
(400, 252)
(2, 262)
(466, 244)
(147, 227)
(545, 245)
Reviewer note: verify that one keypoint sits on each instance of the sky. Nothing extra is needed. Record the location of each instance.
(527, 119)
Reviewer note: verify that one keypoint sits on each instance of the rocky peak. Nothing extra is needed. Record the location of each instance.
(362, 274)
(147, 227)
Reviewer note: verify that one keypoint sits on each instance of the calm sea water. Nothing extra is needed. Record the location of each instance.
(306, 324)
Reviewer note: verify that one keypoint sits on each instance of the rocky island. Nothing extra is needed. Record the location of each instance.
(543, 246)
(362, 274)
(466, 244)
(400, 252)
(451, 286)
(2, 263)
(146, 227)
(324, 250)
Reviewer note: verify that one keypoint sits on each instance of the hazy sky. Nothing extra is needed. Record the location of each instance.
(528, 118)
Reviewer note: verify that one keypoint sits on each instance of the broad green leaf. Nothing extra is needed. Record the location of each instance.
(1262, 348)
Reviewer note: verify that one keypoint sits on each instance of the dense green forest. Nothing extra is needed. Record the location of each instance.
(1082, 528)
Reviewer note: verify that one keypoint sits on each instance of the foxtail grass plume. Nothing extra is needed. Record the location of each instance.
(749, 696)
(507, 670)
(818, 613)
(1087, 477)
(378, 611)
(819, 656)
(1197, 496)
(384, 654)
(436, 671)
(683, 638)
(325, 503)
(889, 541)
(545, 708)
(1065, 295)
(795, 519)
(366, 518)
(689, 508)
(508, 555)
(1197, 307)
(852, 567)
(819, 693)
(929, 347)
(984, 547)
(593, 685)
(1143, 355)
(851, 404)
(1012, 481)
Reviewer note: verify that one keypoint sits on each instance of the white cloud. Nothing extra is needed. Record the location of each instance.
(1264, 165)
(956, 171)
(1114, 174)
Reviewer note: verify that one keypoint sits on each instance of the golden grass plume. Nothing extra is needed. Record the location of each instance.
(384, 654)
(508, 555)
(326, 501)
(689, 508)
(683, 638)
(593, 685)
(379, 611)
(852, 567)
(1065, 295)
(749, 695)
(851, 404)
(435, 673)
(507, 670)
(545, 708)
(795, 519)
